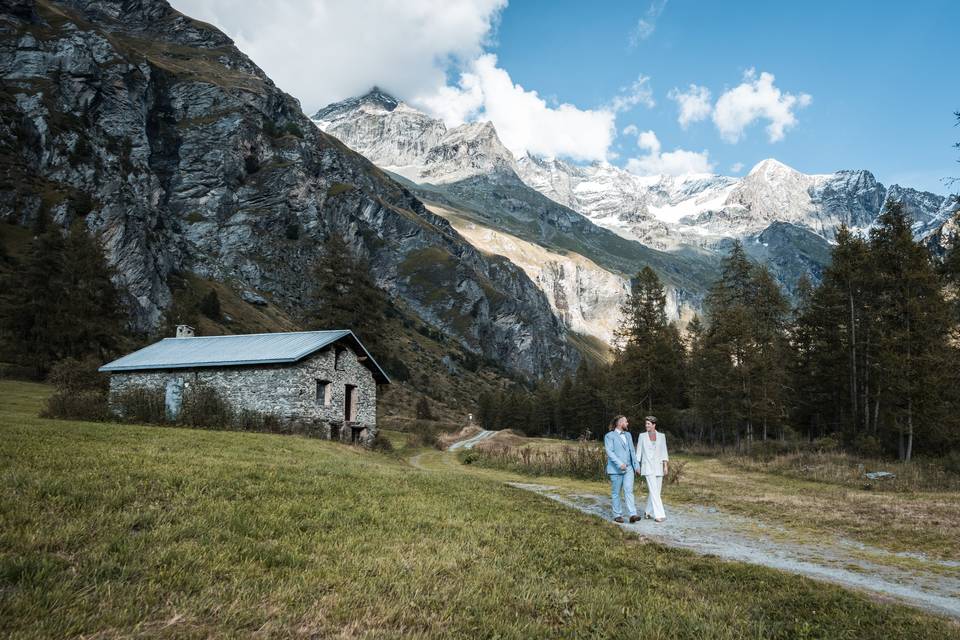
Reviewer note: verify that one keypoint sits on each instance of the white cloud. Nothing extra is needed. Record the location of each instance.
(736, 167)
(639, 92)
(322, 52)
(647, 24)
(757, 99)
(694, 104)
(524, 120)
(630, 130)
(674, 163)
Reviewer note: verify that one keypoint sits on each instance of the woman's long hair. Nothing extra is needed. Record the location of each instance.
(613, 423)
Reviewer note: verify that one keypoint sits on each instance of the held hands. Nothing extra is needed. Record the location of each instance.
(623, 467)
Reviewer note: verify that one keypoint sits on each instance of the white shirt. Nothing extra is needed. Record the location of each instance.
(623, 438)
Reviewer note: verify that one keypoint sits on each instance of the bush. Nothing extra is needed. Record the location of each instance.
(81, 391)
(382, 444)
(868, 446)
(424, 433)
(71, 376)
(140, 404)
(82, 405)
(202, 406)
(423, 409)
(210, 305)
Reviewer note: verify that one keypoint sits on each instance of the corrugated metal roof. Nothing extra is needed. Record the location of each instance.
(234, 350)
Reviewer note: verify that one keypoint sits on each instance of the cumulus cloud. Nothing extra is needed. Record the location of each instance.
(756, 98)
(524, 120)
(674, 163)
(322, 52)
(694, 104)
(630, 130)
(639, 92)
(736, 167)
(647, 24)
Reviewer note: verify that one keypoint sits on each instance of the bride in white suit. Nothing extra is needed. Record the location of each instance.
(652, 451)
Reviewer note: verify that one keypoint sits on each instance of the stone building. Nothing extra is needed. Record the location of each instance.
(323, 380)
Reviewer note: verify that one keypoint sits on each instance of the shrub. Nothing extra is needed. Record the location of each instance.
(868, 446)
(337, 188)
(81, 391)
(423, 409)
(202, 406)
(71, 375)
(81, 405)
(677, 468)
(140, 404)
(210, 305)
(292, 231)
(382, 444)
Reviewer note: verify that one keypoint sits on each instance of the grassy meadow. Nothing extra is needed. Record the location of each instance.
(119, 531)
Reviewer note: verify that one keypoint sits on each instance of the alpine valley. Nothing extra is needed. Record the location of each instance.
(194, 170)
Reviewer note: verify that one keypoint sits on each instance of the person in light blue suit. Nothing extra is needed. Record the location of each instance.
(622, 464)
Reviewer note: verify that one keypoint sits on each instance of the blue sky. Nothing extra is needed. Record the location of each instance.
(884, 77)
(844, 85)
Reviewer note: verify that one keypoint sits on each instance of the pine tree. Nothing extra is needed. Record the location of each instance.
(61, 303)
(345, 296)
(769, 355)
(913, 323)
(650, 362)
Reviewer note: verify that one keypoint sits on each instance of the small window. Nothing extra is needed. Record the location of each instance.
(339, 359)
(324, 392)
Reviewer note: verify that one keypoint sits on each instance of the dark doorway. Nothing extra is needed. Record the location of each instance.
(350, 403)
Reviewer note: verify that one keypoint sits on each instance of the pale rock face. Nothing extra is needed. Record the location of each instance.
(585, 296)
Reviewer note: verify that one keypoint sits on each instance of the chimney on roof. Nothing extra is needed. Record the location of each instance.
(184, 331)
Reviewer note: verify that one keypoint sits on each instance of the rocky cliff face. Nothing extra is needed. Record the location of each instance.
(397, 137)
(184, 157)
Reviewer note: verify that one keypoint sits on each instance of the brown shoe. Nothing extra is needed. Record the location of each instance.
(618, 520)
(634, 519)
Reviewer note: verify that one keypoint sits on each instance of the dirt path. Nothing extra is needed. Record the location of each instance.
(927, 583)
(469, 443)
(708, 531)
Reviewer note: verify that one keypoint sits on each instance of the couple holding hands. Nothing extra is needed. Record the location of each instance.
(648, 459)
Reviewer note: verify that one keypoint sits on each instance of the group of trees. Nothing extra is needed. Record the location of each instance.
(58, 301)
(870, 355)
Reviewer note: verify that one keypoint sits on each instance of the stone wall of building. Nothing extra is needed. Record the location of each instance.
(291, 393)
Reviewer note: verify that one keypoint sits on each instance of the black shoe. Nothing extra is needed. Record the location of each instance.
(618, 520)
(635, 519)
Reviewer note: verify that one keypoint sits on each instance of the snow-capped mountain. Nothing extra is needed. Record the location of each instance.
(665, 212)
(580, 232)
(398, 138)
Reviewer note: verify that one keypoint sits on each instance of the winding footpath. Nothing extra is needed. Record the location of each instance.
(926, 583)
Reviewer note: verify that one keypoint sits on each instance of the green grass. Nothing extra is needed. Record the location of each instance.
(121, 531)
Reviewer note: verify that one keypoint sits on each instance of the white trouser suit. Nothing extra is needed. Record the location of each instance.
(652, 456)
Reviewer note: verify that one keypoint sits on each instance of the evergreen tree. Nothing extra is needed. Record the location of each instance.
(210, 305)
(61, 302)
(650, 364)
(769, 355)
(913, 324)
(345, 296)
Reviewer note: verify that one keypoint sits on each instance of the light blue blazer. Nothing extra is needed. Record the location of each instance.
(619, 453)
